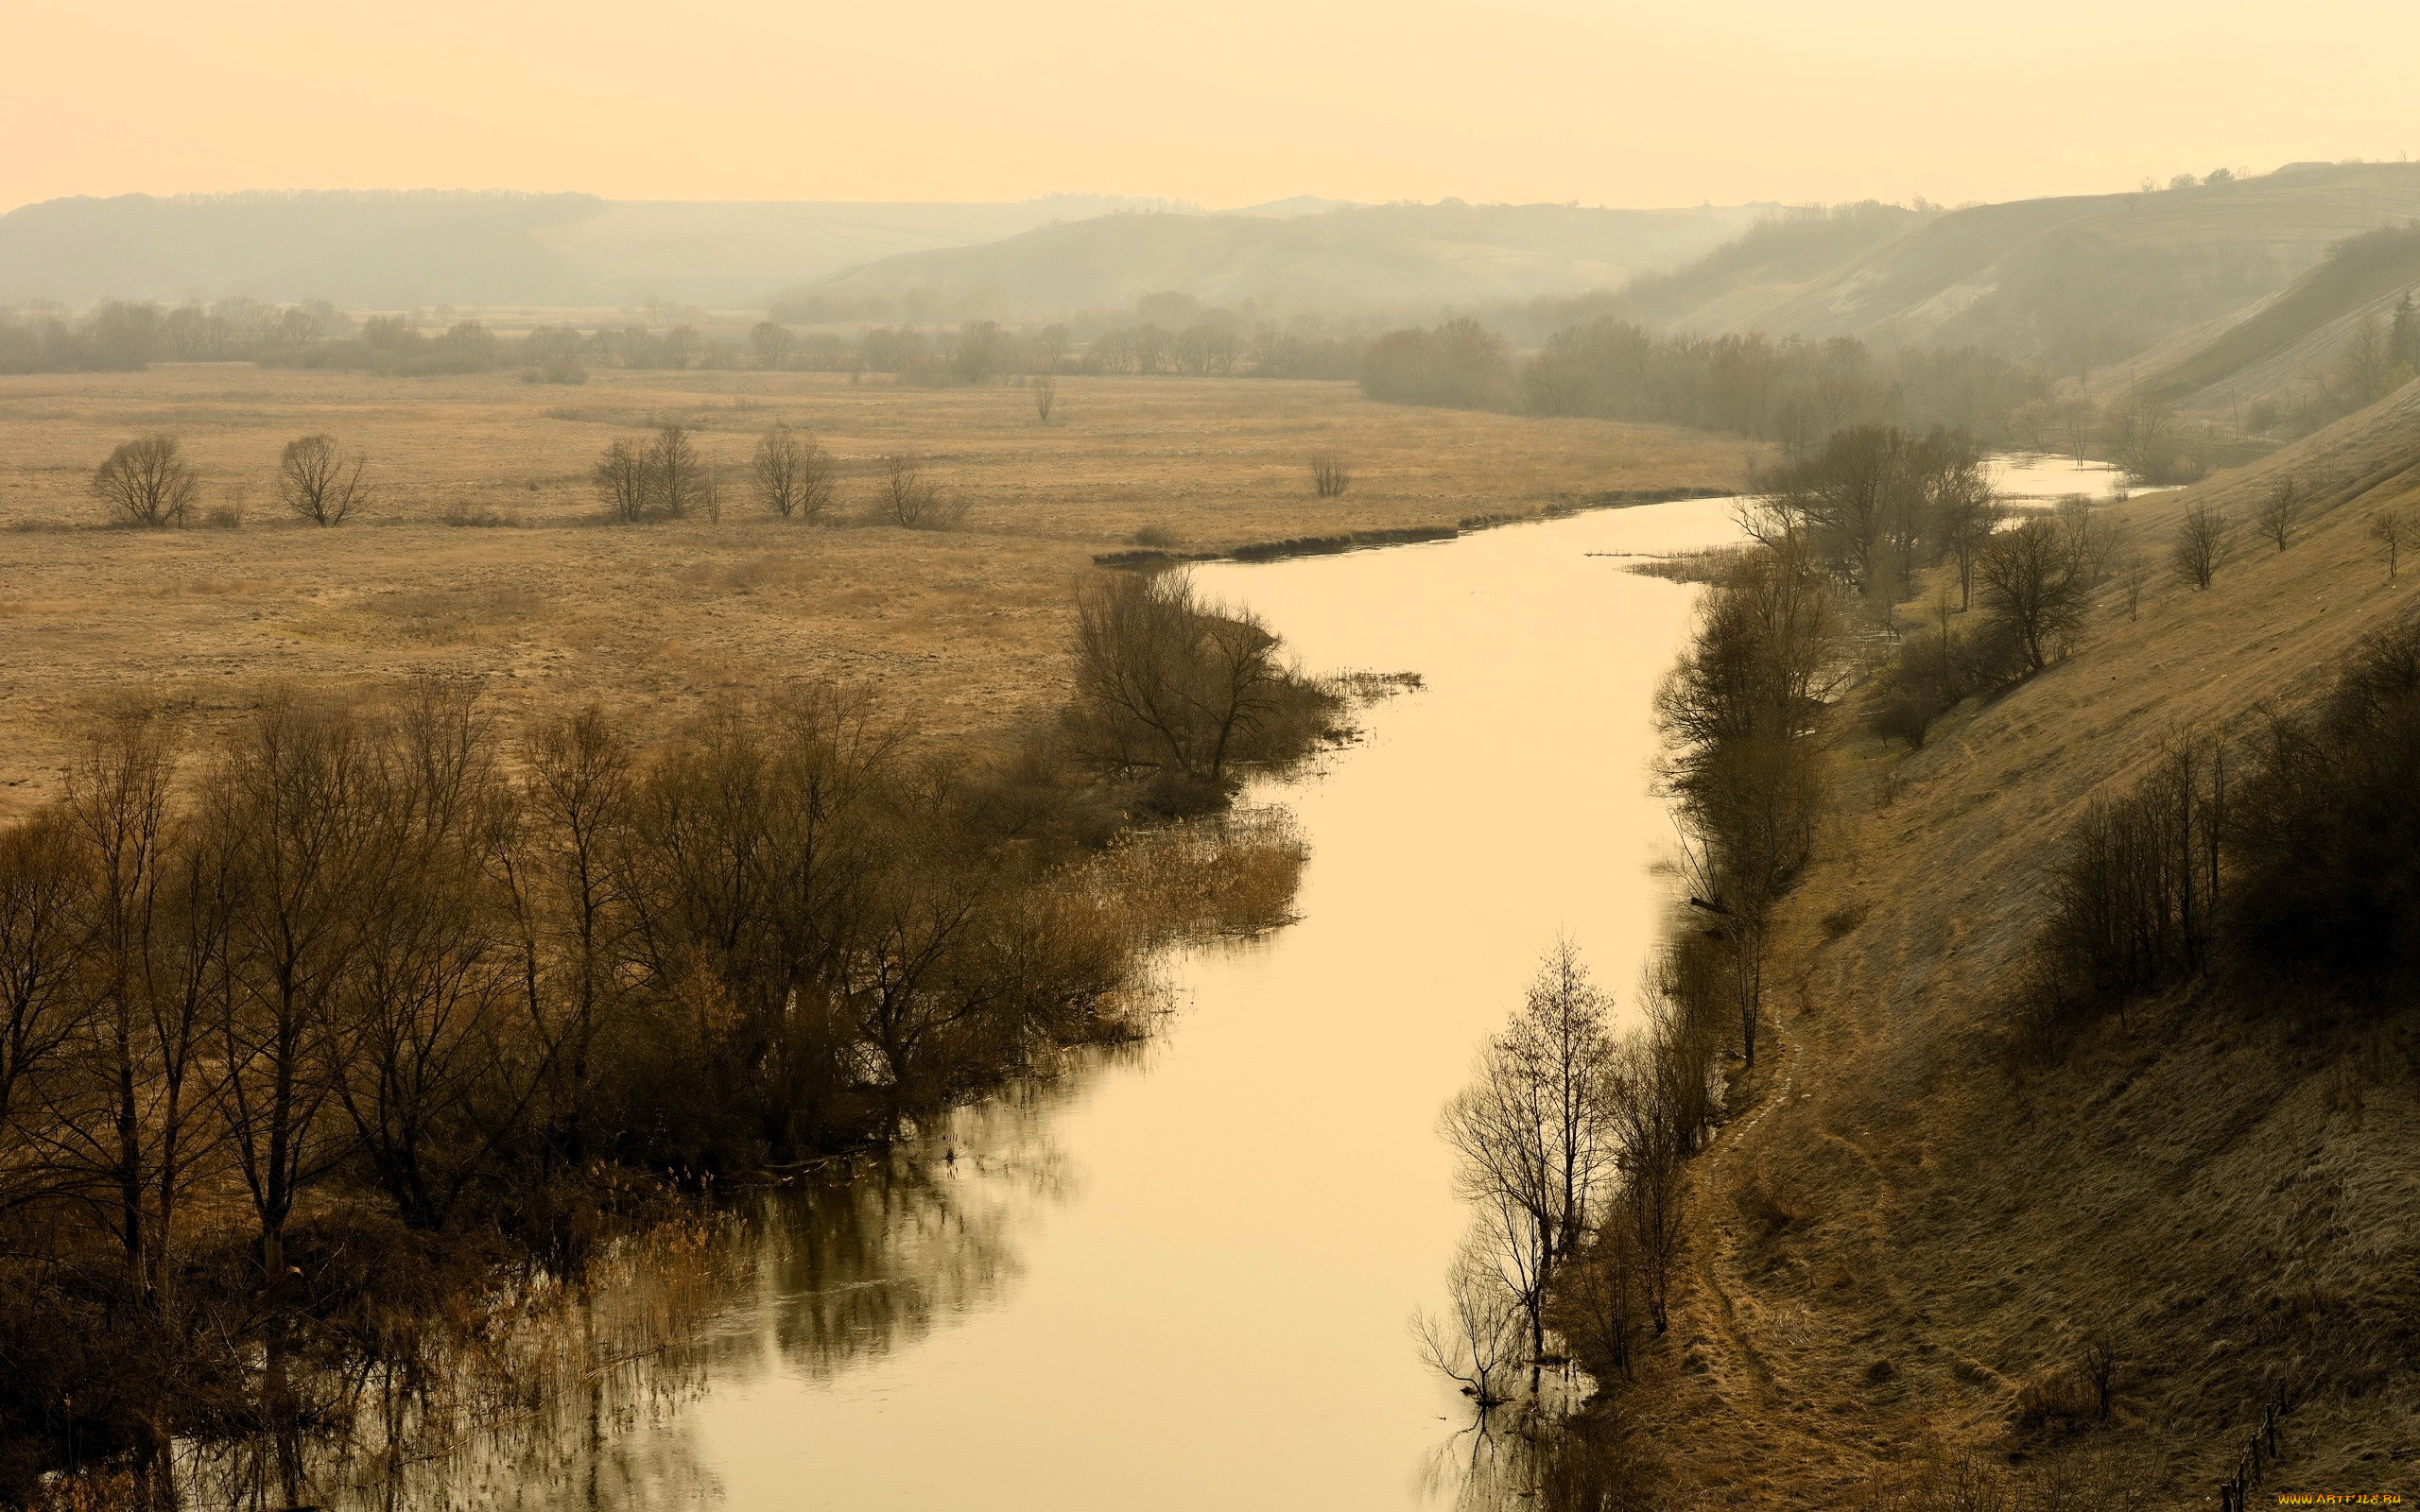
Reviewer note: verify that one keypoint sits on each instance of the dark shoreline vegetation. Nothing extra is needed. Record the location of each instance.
(1573, 1141)
(331, 1045)
(2267, 872)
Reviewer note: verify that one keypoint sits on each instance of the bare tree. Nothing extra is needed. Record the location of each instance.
(2033, 587)
(1330, 477)
(1652, 1150)
(1046, 394)
(1167, 682)
(912, 500)
(319, 482)
(2391, 528)
(286, 801)
(676, 475)
(1536, 1133)
(2201, 545)
(621, 481)
(793, 474)
(1478, 1343)
(2280, 511)
(148, 481)
(41, 1010)
(772, 342)
(1967, 511)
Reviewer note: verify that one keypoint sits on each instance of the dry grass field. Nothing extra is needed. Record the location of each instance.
(486, 550)
(1906, 1229)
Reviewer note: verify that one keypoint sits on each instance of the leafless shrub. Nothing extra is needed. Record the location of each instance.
(2281, 510)
(148, 481)
(319, 482)
(1046, 397)
(2391, 528)
(912, 500)
(228, 514)
(1330, 477)
(2201, 545)
(793, 475)
(621, 479)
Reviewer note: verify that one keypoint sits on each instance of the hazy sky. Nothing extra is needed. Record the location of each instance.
(1225, 103)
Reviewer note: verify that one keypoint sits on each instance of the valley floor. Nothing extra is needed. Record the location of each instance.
(484, 549)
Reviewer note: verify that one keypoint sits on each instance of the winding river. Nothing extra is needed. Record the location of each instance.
(1180, 1278)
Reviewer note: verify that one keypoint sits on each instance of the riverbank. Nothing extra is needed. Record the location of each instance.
(1914, 1241)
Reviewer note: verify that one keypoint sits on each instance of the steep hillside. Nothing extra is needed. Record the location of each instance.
(1908, 1226)
(1396, 257)
(2083, 281)
(394, 250)
(2297, 342)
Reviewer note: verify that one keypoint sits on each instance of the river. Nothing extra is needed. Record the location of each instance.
(1180, 1275)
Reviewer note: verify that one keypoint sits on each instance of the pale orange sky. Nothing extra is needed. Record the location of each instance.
(1225, 104)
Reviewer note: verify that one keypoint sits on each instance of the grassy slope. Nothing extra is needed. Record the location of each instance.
(1915, 285)
(966, 630)
(2363, 282)
(1902, 1230)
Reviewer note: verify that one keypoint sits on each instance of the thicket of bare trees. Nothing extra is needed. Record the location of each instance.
(665, 478)
(1570, 1144)
(1877, 504)
(1739, 714)
(147, 482)
(793, 475)
(318, 481)
(2290, 850)
(306, 1028)
(1181, 691)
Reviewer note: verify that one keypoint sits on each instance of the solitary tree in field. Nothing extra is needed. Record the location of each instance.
(148, 481)
(2201, 545)
(2281, 511)
(793, 475)
(1329, 476)
(1046, 394)
(319, 482)
(2391, 528)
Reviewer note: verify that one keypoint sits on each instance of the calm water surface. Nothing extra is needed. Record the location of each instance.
(1180, 1278)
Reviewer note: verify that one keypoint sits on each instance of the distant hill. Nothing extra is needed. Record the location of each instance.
(393, 250)
(2077, 281)
(1408, 257)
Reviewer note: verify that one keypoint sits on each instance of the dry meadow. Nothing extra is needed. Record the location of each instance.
(486, 551)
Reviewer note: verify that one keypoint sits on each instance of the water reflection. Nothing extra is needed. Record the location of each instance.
(858, 1262)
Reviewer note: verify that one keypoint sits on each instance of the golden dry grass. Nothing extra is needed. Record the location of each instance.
(1900, 1234)
(962, 630)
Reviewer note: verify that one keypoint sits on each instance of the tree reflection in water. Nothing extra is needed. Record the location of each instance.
(580, 1401)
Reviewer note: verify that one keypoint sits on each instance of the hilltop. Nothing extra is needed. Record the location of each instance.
(1403, 257)
(395, 250)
